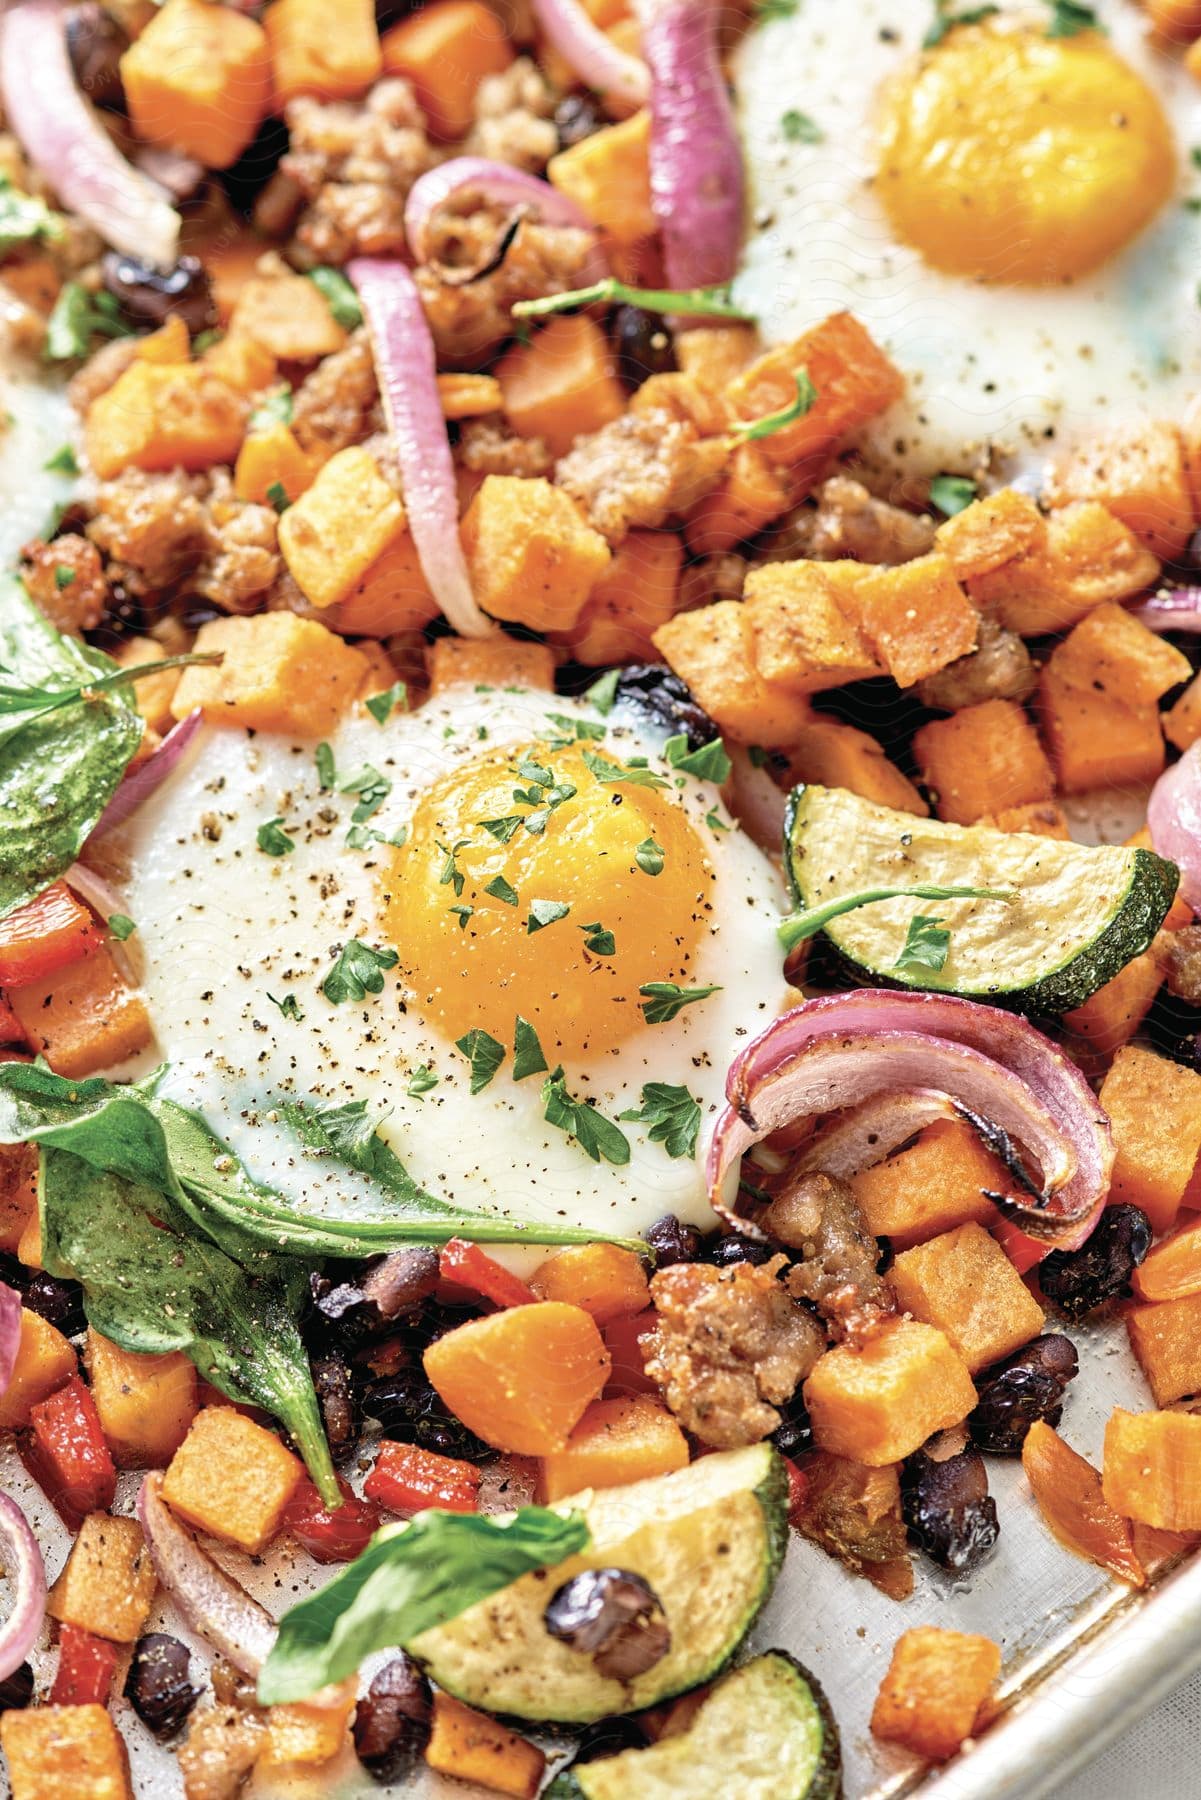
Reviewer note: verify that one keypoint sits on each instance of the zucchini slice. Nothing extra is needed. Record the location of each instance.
(766, 1732)
(709, 1539)
(1078, 914)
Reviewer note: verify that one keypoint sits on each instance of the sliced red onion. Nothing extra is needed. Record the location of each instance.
(212, 1602)
(137, 787)
(406, 364)
(1176, 609)
(10, 1333)
(22, 1563)
(495, 182)
(1174, 816)
(590, 54)
(697, 177)
(64, 140)
(845, 1050)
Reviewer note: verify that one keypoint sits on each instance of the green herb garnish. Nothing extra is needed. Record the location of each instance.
(702, 302)
(545, 912)
(949, 494)
(528, 1057)
(277, 494)
(799, 128)
(801, 925)
(485, 1056)
(121, 926)
(575, 729)
(1068, 19)
(598, 940)
(596, 1135)
(273, 841)
(357, 972)
(946, 20)
(372, 789)
(274, 408)
(463, 912)
(79, 316)
(452, 875)
(502, 829)
(393, 699)
(650, 857)
(326, 772)
(63, 462)
(64, 576)
(663, 1000)
(926, 944)
(672, 1115)
(603, 692)
(24, 219)
(634, 774)
(709, 763)
(806, 398)
(500, 889)
(421, 1081)
(289, 1006)
(340, 296)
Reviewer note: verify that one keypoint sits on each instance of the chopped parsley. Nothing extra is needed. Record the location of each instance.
(463, 913)
(24, 219)
(926, 944)
(709, 763)
(63, 462)
(277, 494)
(672, 1116)
(274, 409)
(502, 829)
(701, 302)
(78, 316)
(574, 729)
(609, 772)
(799, 128)
(803, 402)
(340, 297)
(421, 1081)
(121, 926)
(775, 9)
(272, 840)
(357, 972)
(949, 494)
(326, 773)
(485, 1056)
(1068, 19)
(650, 857)
(528, 1057)
(663, 1000)
(713, 822)
(393, 699)
(945, 20)
(64, 576)
(361, 837)
(452, 875)
(500, 889)
(545, 912)
(599, 941)
(603, 693)
(372, 789)
(289, 1006)
(597, 1136)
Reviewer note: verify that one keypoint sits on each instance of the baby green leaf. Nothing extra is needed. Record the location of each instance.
(650, 857)
(949, 494)
(709, 763)
(610, 773)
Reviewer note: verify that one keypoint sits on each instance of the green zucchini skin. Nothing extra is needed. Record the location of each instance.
(1100, 954)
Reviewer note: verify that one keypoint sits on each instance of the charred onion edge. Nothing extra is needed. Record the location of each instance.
(496, 184)
(212, 1602)
(22, 1563)
(1174, 818)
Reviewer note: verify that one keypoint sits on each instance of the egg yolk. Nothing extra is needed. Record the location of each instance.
(1010, 156)
(459, 900)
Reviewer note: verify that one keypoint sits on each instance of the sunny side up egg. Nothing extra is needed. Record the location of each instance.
(1006, 211)
(554, 901)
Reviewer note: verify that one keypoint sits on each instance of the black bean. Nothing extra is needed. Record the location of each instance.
(392, 1721)
(96, 44)
(1079, 1281)
(577, 116)
(730, 1247)
(795, 1435)
(948, 1509)
(375, 1296)
(654, 693)
(59, 1302)
(331, 1379)
(670, 1242)
(410, 1411)
(16, 1690)
(157, 1686)
(245, 179)
(613, 1616)
(642, 345)
(1014, 1394)
(149, 296)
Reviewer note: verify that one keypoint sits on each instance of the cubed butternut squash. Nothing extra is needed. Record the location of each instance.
(64, 1753)
(936, 1184)
(916, 617)
(472, 1747)
(18, 1192)
(532, 555)
(1110, 1017)
(327, 48)
(936, 1684)
(45, 1360)
(198, 80)
(301, 1732)
(1067, 1490)
(231, 1478)
(1094, 740)
(635, 595)
(805, 635)
(616, 1442)
(1138, 472)
(1154, 1109)
(964, 1283)
(164, 416)
(991, 532)
(145, 1403)
(523, 1378)
(280, 673)
(446, 49)
(391, 595)
(854, 381)
(836, 755)
(1111, 653)
(1152, 1468)
(1172, 1270)
(607, 174)
(713, 651)
(108, 1582)
(752, 492)
(494, 662)
(982, 758)
(152, 693)
(169, 344)
(240, 361)
(715, 354)
(878, 1404)
(1086, 558)
(83, 1017)
(1166, 1339)
(602, 1278)
(287, 314)
(340, 526)
(271, 463)
(562, 384)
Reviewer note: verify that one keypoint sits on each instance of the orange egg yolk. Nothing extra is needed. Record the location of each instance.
(1013, 157)
(459, 900)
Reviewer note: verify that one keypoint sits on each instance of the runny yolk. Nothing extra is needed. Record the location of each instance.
(469, 958)
(1009, 156)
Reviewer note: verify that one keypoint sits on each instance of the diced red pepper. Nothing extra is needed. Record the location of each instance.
(52, 931)
(86, 1666)
(72, 1461)
(467, 1266)
(798, 1487)
(10, 1025)
(331, 1535)
(406, 1479)
(1022, 1250)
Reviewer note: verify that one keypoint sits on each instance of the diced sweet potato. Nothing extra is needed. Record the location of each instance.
(622, 1340)
(64, 1753)
(836, 755)
(1096, 741)
(198, 80)
(1042, 818)
(532, 555)
(964, 1283)
(854, 381)
(170, 343)
(494, 662)
(392, 595)
(521, 1379)
(562, 384)
(991, 532)
(287, 314)
(607, 174)
(232, 1478)
(982, 758)
(879, 1404)
(715, 354)
(1111, 653)
(1068, 1492)
(1110, 1017)
(467, 396)
(751, 493)
(271, 463)
(164, 416)
(29, 1250)
(1152, 1468)
(1173, 1268)
(916, 617)
(146, 1403)
(240, 361)
(45, 1360)
(472, 1747)
(1154, 1109)
(153, 693)
(1088, 557)
(340, 526)
(83, 1018)
(713, 650)
(1166, 1339)
(18, 1192)
(328, 48)
(690, 401)
(635, 595)
(806, 637)
(935, 1185)
(1138, 472)
(446, 50)
(602, 1278)
(936, 1684)
(616, 1442)
(280, 673)
(302, 1732)
(108, 1582)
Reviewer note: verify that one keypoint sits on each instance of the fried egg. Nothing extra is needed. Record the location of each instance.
(503, 873)
(1013, 216)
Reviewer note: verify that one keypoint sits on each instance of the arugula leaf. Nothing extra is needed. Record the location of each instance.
(121, 926)
(672, 1114)
(610, 773)
(421, 1081)
(665, 999)
(24, 219)
(393, 699)
(799, 128)
(500, 889)
(485, 1056)
(275, 408)
(709, 763)
(603, 692)
(289, 1006)
(340, 296)
(596, 1135)
(545, 912)
(926, 944)
(701, 302)
(77, 317)
(801, 925)
(949, 494)
(650, 857)
(528, 1057)
(803, 402)
(598, 940)
(273, 841)
(410, 1578)
(358, 971)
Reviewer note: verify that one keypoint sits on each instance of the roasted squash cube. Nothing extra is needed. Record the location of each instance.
(327, 48)
(240, 361)
(1096, 741)
(522, 1378)
(446, 49)
(879, 1404)
(1138, 472)
(18, 1191)
(1086, 558)
(108, 1582)
(982, 758)
(1113, 654)
(916, 618)
(602, 1278)
(937, 1183)
(494, 662)
(300, 1732)
(1110, 1017)
(288, 315)
(340, 526)
(616, 1442)
(146, 1403)
(1154, 1109)
(562, 384)
(1166, 1339)
(1152, 1468)
(533, 556)
(936, 1684)
(713, 650)
(64, 1753)
(198, 80)
(232, 1478)
(964, 1283)
(836, 755)
(854, 381)
(392, 595)
(714, 354)
(751, 493)
(164, 416)
(635, 595)
(280, 673)
(805, 636)
(45, 1360)
(83, 1017)
(472, 1747)
(607, 174)
(991, 532)
(270, 462)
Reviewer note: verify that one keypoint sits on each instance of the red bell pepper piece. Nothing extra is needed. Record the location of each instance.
(52, 931)
(10, 1025)
(407, 1479)
(467, 1266)
(70, 1456)
(331, 1535)
(798, 1487)
(1022, 1250)
(86, 1666)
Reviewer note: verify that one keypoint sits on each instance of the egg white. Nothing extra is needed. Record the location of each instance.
(222, 926)
(995, 373)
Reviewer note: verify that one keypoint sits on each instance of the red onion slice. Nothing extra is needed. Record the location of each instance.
(406, 364)
(496, 182)
(10, 1333)
(22, 1563)
(1177, 609)
(65, 141)
(1174, 816)
(212, 1602)
(697, 178)
(136, 788)
(590, 54)
(847, 1049)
